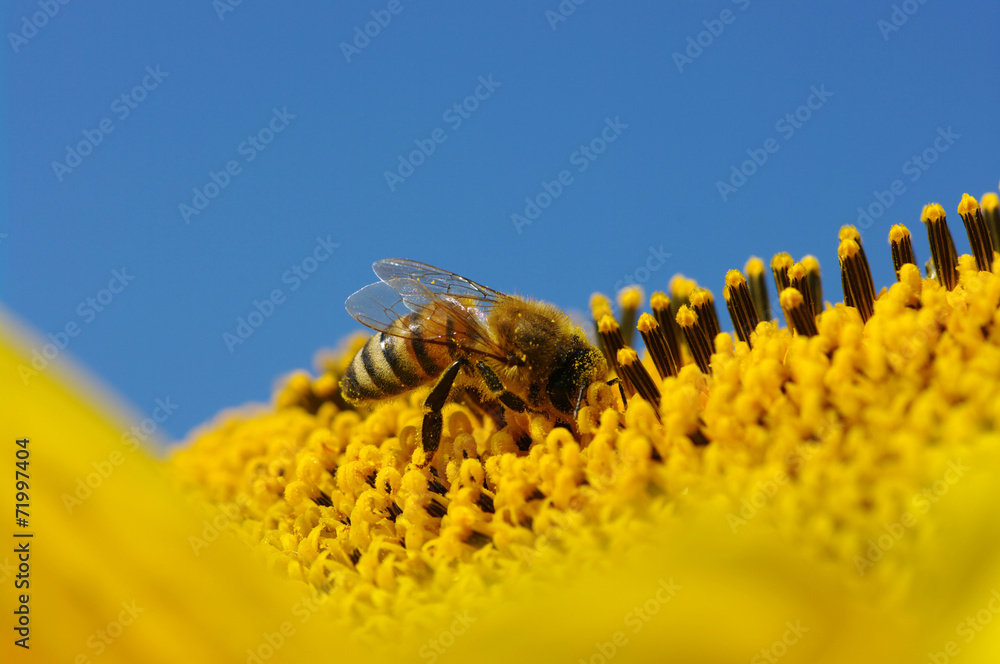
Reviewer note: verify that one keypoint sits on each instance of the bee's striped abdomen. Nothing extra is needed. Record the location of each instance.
(389, 365)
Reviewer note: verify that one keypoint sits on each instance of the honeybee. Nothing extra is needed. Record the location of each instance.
(494, 351)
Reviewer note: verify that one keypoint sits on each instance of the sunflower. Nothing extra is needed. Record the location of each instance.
(818, 491)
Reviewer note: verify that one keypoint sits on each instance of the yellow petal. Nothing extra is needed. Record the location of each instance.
(112, 571)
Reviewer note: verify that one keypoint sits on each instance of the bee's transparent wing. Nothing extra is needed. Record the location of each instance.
(378, 306)
(436, 281)
(443, 315)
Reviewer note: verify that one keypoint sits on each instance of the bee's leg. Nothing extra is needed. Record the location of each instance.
(433, 424)
(507, 398)
(503, 395)
(491, 409)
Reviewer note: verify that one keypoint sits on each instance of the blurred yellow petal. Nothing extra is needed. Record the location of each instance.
(114, 578)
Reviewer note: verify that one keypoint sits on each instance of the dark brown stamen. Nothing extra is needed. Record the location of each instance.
(739, 301)
(435, 486)
(478, 540)
(856, 277)
(611, 337)
(798, 277)
(629, 299)
(942, 245)
(990, 205)
(636, 371)
(662, 309)
(703, 303)
(600, 306)
(436, 509)
(779, 269)
(485, 503)
(798, 312)
(680, 291)
(849, 232)
(757, 281)
(975, 228)
(656, 343)
(902, 247)
(815, 283)
(697, 337)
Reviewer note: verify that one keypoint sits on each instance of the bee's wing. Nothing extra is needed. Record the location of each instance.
(378, 306)
(439, 298)
(436, 280)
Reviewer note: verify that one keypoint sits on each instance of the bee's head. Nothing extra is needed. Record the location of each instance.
(576, 367)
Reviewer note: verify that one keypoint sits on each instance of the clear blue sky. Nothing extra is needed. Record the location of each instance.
(309, 128)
